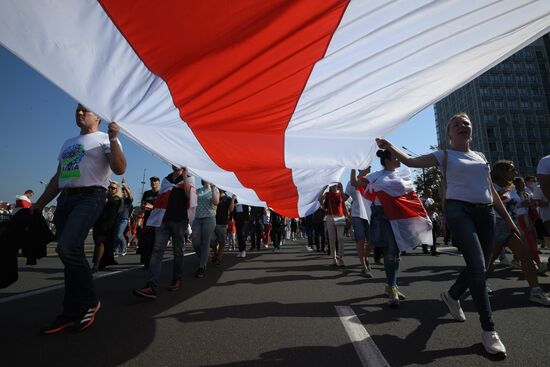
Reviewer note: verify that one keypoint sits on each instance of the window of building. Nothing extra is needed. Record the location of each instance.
(524, 105)
(500, 104)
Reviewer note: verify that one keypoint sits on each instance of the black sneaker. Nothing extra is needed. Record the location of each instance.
(60, 323)
(87, 317)
(218, 263)
(199, 273)
(145, 292)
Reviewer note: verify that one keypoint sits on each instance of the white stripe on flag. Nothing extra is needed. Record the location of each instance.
(78, 47)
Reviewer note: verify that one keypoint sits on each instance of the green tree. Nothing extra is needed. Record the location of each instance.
(429, 179)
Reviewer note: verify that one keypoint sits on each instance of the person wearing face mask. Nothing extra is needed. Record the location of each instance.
(470, 203)
(208, 198)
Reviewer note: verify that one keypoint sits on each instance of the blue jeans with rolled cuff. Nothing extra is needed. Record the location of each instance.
(381, 235)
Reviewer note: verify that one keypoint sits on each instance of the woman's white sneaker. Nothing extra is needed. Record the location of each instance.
(454, 306)
(492, 344)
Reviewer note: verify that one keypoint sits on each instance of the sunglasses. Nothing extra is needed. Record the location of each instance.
(112, 187)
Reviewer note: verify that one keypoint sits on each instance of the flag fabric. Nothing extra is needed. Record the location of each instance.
(22, 201)
(163, 198)
(410, 223)
(270, 100)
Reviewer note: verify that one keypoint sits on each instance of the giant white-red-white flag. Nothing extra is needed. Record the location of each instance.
(270, 100)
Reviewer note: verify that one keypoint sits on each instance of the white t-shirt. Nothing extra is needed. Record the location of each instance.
(543, 168)
(509, 203)
(467, 176)
(84, 161)
(543, 211)
(360, 207)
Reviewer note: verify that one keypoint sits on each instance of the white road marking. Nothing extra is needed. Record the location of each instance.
(366, 349)
(61, 285)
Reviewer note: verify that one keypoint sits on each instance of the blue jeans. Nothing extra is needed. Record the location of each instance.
(167, 230)
(119, 241)
(473, 230)
(381, 235)
(202, 232)
(75, 215)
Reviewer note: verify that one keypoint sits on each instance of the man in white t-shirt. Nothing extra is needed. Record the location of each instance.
(82, 177)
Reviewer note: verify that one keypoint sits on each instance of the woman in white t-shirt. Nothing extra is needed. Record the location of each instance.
(502, 174)
(526, 225)
(469, 201)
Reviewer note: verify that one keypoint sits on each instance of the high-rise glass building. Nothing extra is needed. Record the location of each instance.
(509, 106)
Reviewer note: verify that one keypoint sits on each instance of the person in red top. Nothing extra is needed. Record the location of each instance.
(337, 215)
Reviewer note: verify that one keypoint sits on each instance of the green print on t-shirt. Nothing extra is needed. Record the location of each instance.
(70, 160)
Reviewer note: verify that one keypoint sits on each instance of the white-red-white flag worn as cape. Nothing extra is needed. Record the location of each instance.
(270, 100)
(408, 218)
(163, 198)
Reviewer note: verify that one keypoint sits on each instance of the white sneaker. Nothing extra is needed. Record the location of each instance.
(243, 254)
(393, 297)
(540, 298)
(492, 344)
(240, 254)
(399, 294)
(506, 261)
(454, 306)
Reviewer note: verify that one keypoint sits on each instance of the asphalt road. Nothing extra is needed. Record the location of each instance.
(271, 309)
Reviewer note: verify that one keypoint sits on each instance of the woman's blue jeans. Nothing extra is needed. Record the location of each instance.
(473, 229)
(203, 228)
(381, 235)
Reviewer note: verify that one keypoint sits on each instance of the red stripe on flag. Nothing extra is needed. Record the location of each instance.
(236, 70)
(162, 199)
(402, 207)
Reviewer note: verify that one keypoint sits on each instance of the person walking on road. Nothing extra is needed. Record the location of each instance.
(82, 177)
(470, 200)
(170, 218)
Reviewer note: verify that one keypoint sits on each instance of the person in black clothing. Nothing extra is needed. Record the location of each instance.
(256, 227)
(307, 224)
(104, 229)
(318, 232)
(277, 222)
(120, 242)
(241, 215)
(224, 209)
(146, 234)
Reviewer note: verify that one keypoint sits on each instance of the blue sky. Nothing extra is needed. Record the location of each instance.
(36, 118)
